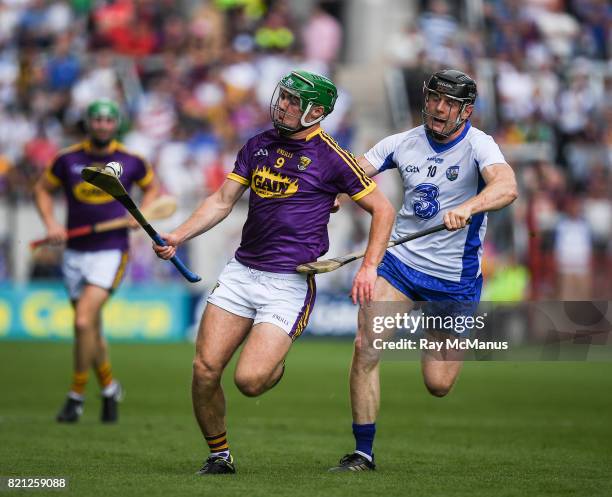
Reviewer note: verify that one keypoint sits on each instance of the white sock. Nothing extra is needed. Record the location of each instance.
(369, 458)
(110, 390)
(224, 454)
(76, 396)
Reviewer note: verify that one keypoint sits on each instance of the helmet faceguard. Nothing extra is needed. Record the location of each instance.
(457, 87)
(304, 90)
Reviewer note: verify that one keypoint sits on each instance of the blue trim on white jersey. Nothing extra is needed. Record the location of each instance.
(443, 147)
(470, 260)
(389, 163)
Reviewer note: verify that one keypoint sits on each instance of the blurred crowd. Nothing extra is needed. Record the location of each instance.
(545, 94)
(195, 80)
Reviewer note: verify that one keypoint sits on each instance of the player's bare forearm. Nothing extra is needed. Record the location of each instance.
(211, 211)
(499, 192)
(44, 205)
(383, 215)
(208, 214)
(44, 202)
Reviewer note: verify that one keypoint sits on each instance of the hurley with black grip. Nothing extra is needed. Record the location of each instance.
(109, 183)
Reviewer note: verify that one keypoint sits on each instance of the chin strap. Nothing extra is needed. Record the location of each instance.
(305, 113)
(283, 130)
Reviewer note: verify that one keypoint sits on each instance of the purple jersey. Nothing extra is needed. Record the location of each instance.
(87, 204)
(293, 187)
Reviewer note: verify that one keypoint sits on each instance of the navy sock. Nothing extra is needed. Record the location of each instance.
(364, 437)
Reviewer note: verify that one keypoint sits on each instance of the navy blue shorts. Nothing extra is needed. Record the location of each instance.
(453, 298)
(422, 287)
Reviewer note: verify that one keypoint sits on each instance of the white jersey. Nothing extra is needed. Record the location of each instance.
(438, 177)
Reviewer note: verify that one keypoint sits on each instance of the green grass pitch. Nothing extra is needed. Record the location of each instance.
(508, 429)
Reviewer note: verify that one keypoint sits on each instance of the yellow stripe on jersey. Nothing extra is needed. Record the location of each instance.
(148, 177)
(349, 159)
(72, 148)
(316, 132)
(364, 192)
(52, 178)
(120, 271)
(111, 149)
(238, 178)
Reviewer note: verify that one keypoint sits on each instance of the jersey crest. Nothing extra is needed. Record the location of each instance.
(452, 173)
(304, 163)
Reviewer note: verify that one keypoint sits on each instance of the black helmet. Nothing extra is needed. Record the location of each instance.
(456, 85)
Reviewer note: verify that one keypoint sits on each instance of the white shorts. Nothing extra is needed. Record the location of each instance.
(285, 300)
(103, 268)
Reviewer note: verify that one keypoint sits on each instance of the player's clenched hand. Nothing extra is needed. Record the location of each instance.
(169, 251)
(457, 218)
(363, 284)
(56, 233)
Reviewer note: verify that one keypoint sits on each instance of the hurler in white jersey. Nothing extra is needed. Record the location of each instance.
(451, 172)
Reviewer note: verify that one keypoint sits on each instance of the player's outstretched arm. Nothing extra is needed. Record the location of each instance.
(56, 233)
(500, 191)
(211, 212)
(383, 215)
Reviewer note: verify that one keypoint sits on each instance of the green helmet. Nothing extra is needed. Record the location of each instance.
(103, 108)
(106, 109)
(312, 89)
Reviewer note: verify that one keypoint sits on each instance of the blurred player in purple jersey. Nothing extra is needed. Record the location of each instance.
(93, 265)
(294, 172)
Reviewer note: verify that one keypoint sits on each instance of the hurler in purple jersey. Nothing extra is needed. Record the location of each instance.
(93, 265)
(294, 172)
